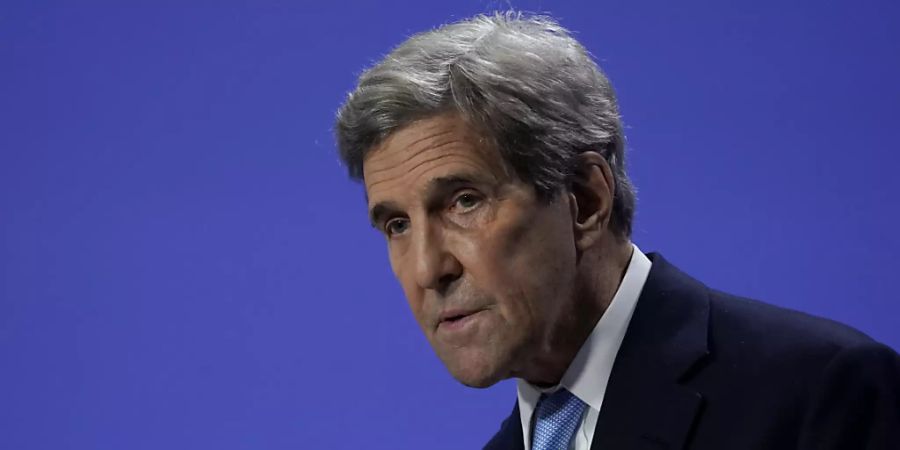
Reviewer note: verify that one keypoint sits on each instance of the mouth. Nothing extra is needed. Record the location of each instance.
(458, 321)
(453, 315)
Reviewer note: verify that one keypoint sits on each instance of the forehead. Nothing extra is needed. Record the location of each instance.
(439, 146)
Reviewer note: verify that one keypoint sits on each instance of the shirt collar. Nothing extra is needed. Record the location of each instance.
(588, 374)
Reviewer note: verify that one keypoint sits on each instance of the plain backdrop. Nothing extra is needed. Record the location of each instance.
(184, 265)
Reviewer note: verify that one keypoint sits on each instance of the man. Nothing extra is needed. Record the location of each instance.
(493, 161)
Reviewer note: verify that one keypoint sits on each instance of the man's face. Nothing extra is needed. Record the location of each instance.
(486, 266)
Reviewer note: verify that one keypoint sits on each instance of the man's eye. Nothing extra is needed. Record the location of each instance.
(396, 226)
(466, 202)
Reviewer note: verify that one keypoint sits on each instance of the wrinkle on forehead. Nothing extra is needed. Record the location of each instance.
(417, 160)
(427, 145)
(425, 132)
(418, 182)
(433, 132)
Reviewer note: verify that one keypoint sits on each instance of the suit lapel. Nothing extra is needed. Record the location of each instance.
(646, 406)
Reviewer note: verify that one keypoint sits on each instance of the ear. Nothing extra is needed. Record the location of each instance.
(591, 198)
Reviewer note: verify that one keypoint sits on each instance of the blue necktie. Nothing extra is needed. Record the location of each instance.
(558, 416)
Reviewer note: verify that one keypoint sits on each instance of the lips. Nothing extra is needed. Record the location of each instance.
(454, 315)
(457, 322)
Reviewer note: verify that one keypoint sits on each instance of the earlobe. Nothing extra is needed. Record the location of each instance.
(591, 195)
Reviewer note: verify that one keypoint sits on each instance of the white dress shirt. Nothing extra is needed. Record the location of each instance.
(588, 373)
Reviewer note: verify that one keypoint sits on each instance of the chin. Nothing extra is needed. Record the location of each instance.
(478, 381)
(475, 371)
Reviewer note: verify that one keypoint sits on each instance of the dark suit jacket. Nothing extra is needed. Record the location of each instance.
(701, 369)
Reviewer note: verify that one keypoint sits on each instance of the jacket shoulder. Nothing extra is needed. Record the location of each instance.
(772, 331)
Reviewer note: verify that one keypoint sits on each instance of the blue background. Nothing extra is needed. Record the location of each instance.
(184, 265)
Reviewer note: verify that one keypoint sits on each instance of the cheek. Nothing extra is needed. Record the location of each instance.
(528, 266)
(402, 267)
(414, 295)
(498, 268)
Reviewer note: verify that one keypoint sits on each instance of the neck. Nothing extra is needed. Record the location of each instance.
(598, 278)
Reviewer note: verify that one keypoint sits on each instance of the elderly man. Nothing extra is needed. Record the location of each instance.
(492, 156)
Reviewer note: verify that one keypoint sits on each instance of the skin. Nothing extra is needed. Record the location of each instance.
(502, 283)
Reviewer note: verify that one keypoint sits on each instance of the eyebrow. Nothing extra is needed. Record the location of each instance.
(433, 188)
(380, 211)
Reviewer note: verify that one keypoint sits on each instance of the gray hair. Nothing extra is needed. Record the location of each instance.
(522, 81)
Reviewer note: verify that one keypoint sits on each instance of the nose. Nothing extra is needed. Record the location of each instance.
(434, 263)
